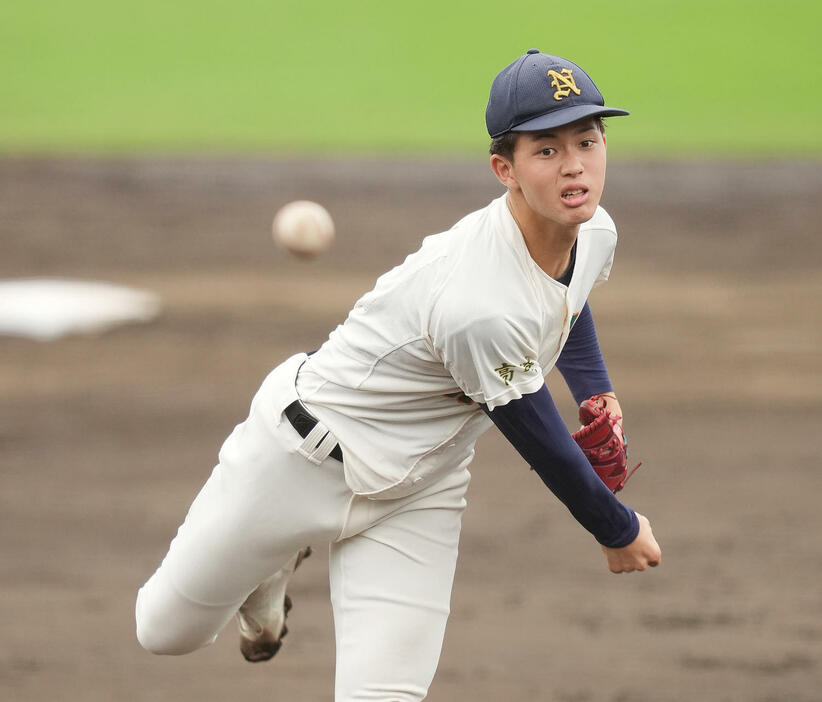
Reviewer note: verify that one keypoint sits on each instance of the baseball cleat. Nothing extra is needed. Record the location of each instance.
(261, 618)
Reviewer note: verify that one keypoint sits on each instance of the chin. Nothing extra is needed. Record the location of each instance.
(581, 214)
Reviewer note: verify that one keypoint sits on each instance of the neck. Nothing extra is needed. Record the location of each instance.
(549, 243)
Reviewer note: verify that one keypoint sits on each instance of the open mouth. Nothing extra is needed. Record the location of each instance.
(574, 195)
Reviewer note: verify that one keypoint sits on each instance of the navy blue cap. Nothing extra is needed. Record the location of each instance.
(539, 91)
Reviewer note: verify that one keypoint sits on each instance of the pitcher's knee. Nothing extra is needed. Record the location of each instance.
(164, 645)
(160, 637)
(163, 639)
(168, 630)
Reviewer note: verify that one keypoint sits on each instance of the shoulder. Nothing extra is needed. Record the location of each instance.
(479, 259)
(446, 260)
(471, 233)
(484, 248)
(452, 244)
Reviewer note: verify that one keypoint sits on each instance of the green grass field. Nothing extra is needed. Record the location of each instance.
(702, 78)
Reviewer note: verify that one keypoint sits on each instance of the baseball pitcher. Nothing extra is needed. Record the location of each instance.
(365, 444)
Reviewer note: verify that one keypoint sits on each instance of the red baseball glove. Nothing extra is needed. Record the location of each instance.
(604, 444)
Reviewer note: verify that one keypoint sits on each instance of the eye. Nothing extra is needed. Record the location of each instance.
(587, 143)
(548, 151)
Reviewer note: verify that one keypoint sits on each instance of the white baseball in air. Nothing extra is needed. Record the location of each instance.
(303, 227)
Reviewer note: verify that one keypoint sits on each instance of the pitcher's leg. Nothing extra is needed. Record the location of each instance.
(391, 592)
(172, 624)
(261, 505)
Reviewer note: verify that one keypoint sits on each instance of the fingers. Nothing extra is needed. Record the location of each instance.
(620, 568)
(631, 567)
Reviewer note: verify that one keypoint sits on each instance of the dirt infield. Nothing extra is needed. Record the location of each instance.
(711, 327)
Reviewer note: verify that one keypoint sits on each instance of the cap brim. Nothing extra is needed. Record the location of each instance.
(560, 118)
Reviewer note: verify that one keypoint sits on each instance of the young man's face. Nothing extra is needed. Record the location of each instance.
(560, 172)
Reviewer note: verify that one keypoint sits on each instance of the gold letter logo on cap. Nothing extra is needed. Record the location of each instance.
(563, 82)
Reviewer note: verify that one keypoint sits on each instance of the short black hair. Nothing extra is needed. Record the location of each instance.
(505, 143)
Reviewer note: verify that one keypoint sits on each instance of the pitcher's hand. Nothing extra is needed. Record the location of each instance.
(642, 552)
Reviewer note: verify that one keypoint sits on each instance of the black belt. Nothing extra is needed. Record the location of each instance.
(303, 422)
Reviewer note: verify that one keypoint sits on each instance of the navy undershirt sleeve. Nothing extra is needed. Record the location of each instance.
(581, 362)
(537, 431)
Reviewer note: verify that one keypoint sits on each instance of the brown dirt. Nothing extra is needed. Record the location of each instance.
(711, 326)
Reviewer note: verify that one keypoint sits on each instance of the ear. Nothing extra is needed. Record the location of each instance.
(503, 170)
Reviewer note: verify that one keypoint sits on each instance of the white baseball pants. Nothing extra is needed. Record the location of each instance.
(391, 561)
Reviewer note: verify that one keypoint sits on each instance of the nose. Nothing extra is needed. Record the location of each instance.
(572, 165)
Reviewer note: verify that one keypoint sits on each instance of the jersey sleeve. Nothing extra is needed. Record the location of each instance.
(493, 360)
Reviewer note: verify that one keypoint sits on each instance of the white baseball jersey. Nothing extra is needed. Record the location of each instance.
(469, 318)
